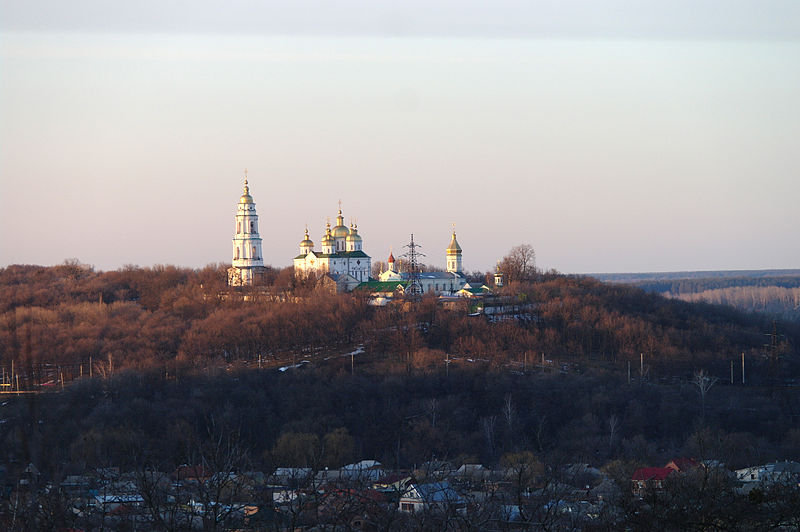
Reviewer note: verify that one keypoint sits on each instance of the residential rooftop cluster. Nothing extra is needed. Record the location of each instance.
(524, 494)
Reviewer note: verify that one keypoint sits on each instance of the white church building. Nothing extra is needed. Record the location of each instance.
(341, 255)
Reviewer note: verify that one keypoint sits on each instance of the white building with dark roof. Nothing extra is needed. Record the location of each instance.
(341, 256)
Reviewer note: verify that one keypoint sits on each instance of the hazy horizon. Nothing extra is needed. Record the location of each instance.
(612, 136)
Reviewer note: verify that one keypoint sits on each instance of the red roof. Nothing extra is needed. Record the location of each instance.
(652, 473)
(683, 464)
(391, 257)
(186, 472)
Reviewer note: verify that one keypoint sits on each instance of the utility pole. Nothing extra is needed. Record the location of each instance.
(629, 372)
(731, 371)
(352, 363)
(447, 364)
(641, 367)
(743, 369)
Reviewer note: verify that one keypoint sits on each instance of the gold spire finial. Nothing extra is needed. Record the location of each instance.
(454, 228)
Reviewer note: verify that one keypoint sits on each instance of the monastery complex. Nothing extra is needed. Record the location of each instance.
(341, 260)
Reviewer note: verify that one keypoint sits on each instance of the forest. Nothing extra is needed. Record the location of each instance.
(581, 371)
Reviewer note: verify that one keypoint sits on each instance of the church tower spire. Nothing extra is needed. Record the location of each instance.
(454, 255)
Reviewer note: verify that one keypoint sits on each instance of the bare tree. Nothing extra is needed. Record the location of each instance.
(509, 415)
(613, 428)
(519, 264)
(703, 383)
(487, 425)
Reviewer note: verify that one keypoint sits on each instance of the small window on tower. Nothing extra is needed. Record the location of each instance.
(238, 227)
(254, 252)
(252, 224)
(236, 256)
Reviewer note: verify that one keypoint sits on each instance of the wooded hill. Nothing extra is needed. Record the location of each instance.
(175, 354)
(180, 321)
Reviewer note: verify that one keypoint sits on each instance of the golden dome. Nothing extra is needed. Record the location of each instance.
(339, 231)
(353, 235)
(454, 247)
(307, 242)
(246, 197)
(327, 239)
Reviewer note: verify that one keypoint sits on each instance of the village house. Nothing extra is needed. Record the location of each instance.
(437, 496)
(646, 478)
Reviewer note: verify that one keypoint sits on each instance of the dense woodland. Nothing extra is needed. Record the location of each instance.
(173, 352)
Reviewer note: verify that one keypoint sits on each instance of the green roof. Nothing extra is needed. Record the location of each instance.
(381, 286)
(355, 254)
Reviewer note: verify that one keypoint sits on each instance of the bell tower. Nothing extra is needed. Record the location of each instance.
(454, 255)
(248, 263)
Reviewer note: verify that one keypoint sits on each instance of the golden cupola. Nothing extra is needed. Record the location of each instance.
(246, 197)
(453, 247)
(353, 235)
(327, 238)
(306, 244)
(339, 231)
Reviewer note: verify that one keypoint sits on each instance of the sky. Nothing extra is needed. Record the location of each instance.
(611, 135)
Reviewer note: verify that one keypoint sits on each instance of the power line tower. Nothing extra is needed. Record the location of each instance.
(414, 288)
(773, 348)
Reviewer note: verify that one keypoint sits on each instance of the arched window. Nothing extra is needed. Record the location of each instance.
(238, 227)
(254, 252)
(252, 224)
(236, 257)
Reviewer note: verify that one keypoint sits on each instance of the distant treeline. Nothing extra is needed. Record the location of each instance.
(693, 286)
(630, 278)
(778, 296)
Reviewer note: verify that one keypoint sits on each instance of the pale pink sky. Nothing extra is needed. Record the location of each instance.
(612, 136)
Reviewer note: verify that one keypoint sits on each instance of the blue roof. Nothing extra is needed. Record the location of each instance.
(438, 492)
